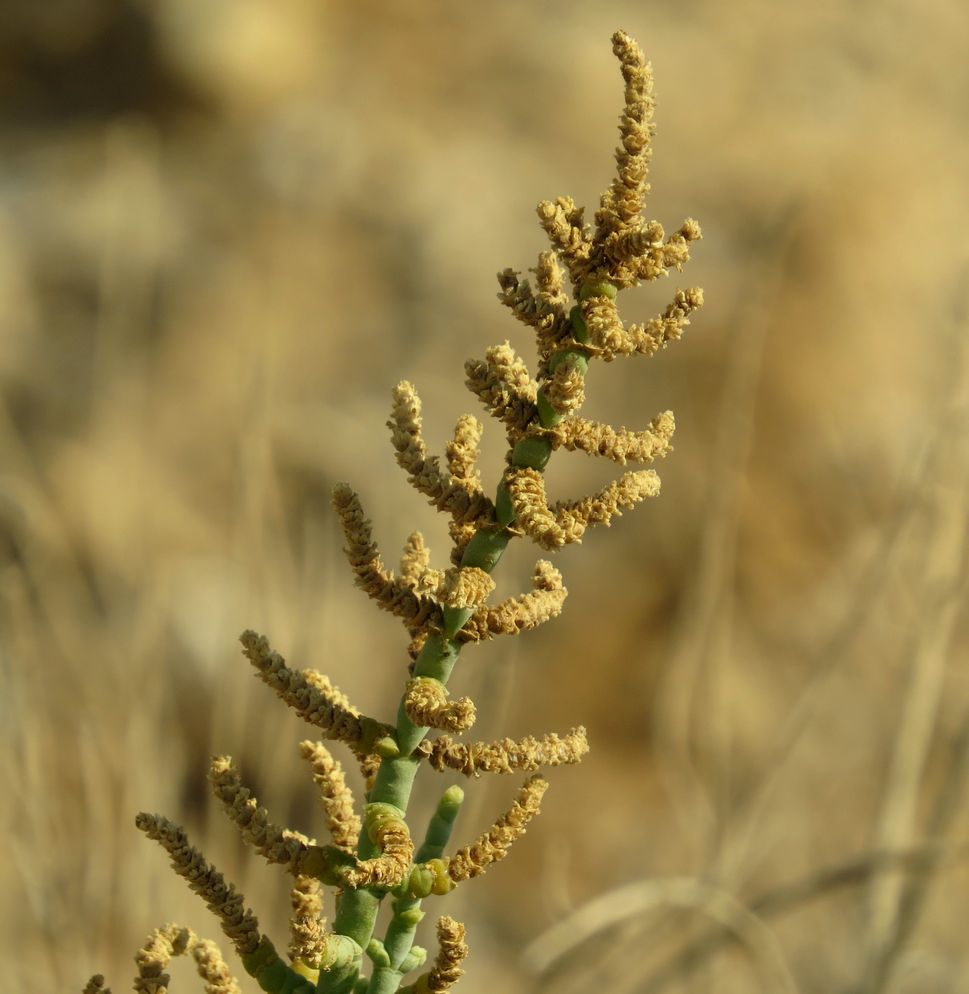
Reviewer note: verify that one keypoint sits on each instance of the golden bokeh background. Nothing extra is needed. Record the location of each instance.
(228, 227)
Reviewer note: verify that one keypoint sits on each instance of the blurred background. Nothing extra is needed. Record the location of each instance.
(228, 227)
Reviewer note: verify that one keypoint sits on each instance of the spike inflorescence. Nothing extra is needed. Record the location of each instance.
(371, 855)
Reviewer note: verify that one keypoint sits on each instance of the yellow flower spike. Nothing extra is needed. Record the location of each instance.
(493, 845)
(428, 705)
(307, 927)
(505, 755)
(275, 844)
(341, 819)
(239, 924)
(518, 614)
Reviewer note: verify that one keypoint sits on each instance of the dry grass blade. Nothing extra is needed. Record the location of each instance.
(633, 900)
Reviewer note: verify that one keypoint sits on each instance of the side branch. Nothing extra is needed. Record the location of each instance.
(474, 859)
(388, 831)
(239, 924)
(397, 596)
(566, 522)
(313, 699)
(170, 941)
(307, 926)
(505, 755)
(609, 338)
(618, 444)
(274, 844)
(519, 614)
(538, 311)
(502, 383)
(465, 503)
(564, 223)
(341, 820)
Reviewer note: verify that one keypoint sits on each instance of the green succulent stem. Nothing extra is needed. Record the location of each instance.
(384, 980)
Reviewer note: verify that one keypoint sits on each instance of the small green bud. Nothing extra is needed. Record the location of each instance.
(421, 880)
(531, 453)
(415, 958)
(597, 288)
(377, 953)
(443, 884)
(412, 917)
(450, 802)
(386, 748)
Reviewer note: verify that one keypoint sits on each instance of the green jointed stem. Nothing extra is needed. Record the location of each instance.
(384, 980)
(271, 972)
(399, 940)
(441, 824)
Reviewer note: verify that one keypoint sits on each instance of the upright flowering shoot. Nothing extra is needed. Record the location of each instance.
(371, 855)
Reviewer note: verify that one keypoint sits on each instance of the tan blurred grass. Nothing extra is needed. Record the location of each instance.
(227, 229)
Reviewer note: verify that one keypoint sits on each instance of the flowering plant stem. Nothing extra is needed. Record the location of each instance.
(373, 857)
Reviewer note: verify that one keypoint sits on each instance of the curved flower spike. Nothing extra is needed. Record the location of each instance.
(452, 951)
(172, 940)
(609, 338)
(493, 845)
(668, 327)
(307, 926)
(415, 560)
(617, 444)
(427, 704)
(505, 755)
(503, 384)
(96, 985)
(392, 594)
(622, 203)
(160, 948)
(341, 820)
(519, 614)
(239, 924)
(462, 453)
(565, 523)
(388, 831)
(564, 223)
(312, 697)
(465, 503)
(534, 310)
(274, 844)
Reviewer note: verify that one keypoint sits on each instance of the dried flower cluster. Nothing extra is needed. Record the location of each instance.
(370, 855)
